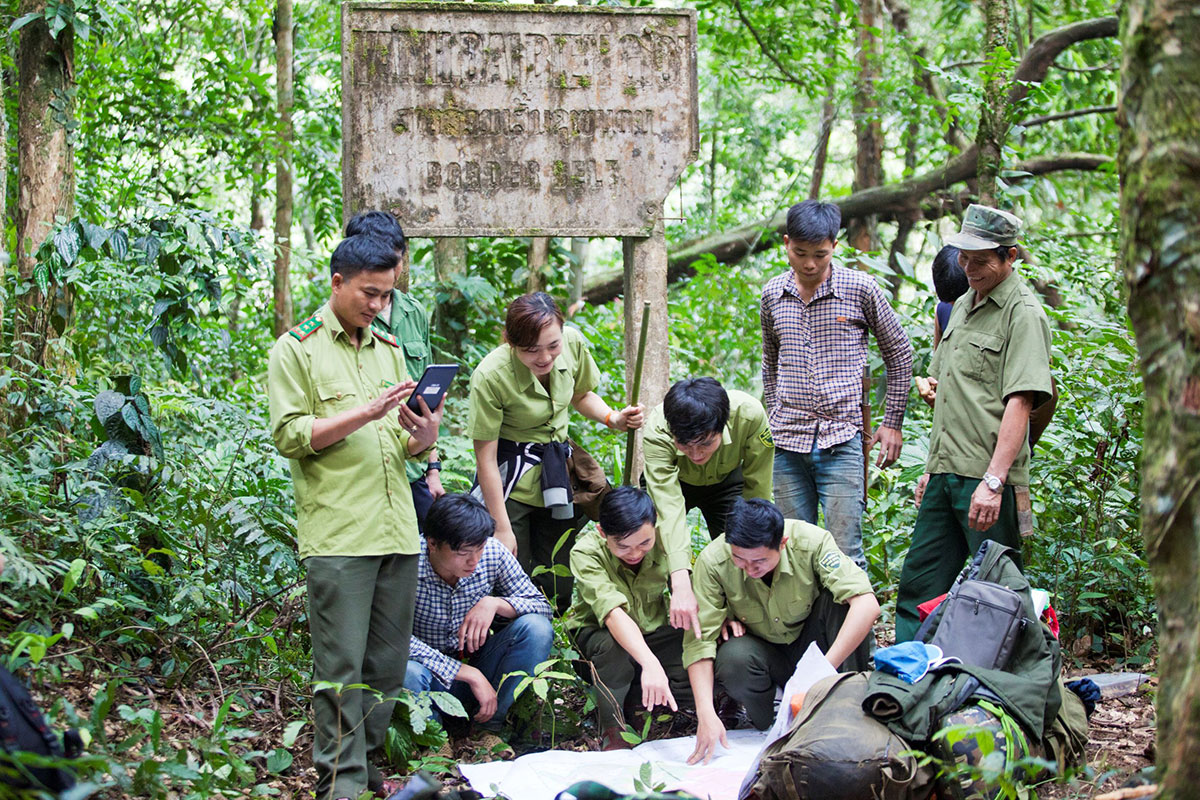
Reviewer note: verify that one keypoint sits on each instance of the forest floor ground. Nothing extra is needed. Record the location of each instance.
(1121, 736)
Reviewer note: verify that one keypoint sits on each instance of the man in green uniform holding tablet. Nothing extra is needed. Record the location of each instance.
(405, 318)
(336, 388)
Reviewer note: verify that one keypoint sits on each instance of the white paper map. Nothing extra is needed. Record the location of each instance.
(541, 776)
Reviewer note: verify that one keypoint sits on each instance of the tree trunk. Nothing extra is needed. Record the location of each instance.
(449, 317)
(821, 153)
(4, 257)
(712, 159)
(862, 233)
(536, 258)
(645, 280)
(1160, 183)
(45, 175)
(285, 96)
(924, 78)
(994, 116)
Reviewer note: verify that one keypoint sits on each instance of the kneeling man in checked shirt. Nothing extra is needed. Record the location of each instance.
(815, 319)
(465, 579)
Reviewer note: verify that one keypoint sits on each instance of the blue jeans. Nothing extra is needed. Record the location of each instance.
(517, 647)
(834, 478)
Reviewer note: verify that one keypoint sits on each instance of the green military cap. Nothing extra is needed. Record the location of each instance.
(985, 228)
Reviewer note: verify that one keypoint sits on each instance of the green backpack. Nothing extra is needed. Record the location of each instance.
(835, 751)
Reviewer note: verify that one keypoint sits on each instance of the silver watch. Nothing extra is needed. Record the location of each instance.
(993, 483)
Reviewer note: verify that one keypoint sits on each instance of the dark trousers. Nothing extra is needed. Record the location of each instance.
(714, 501)
(422, 500)
(942, 541)
(750, 668)
(618, 676)
(538, 534)
(360, 612)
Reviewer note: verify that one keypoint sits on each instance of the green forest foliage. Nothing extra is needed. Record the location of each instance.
(147, 520)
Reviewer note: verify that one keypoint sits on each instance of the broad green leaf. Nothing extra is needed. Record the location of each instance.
(118, 244)
(108, 403)
(278, 761)
(22, 21)
(68, 243)
(448, 703)
(73, 574)
(291, 731)
(41, 276)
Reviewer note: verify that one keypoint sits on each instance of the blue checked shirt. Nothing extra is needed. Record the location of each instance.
(814, 354)
(441, 608)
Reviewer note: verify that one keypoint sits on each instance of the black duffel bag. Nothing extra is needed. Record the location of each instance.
(24, 729)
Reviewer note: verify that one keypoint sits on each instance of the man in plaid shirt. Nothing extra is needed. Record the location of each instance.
(815, 319)
(465, 579)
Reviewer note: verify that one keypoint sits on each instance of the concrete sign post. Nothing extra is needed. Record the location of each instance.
(514, 120)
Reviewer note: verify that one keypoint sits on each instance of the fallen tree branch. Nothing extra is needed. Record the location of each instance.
(1075, 112)
(895, 198)
(913, 196)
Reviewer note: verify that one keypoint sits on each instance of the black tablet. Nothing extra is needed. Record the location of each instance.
(432, 386)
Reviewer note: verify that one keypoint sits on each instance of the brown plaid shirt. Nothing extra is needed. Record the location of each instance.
(814, 354)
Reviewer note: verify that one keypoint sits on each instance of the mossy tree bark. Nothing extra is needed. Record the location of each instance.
(862, 233)
(45, 176)
(1160, 241)
(994, 116)
(285, 99)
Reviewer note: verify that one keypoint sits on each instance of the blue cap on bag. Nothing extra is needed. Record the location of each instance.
(908, 661)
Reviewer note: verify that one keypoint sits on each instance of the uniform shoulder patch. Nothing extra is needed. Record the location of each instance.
(307, 328)
(384, 336)
(765, 437)
(831, 561)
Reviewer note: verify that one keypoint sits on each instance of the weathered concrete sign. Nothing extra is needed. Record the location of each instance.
(470, 119)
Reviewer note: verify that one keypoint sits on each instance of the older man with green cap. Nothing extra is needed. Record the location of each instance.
(991, 369)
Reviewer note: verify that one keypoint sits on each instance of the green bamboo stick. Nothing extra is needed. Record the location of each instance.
(630, 437)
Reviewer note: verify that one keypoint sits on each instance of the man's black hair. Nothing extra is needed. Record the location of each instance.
(695, 409)
(949, 280)
(624, 511)
(381, 225)
(458, 521)
(754, 523)
(357, 253)
(814, 222)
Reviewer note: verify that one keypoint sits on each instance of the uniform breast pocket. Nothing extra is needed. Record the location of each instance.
(748, 615)
(798, 608)
(336, 396)
(415, 351)
(980, 354)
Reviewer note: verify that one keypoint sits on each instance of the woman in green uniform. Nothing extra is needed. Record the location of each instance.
(520, 395)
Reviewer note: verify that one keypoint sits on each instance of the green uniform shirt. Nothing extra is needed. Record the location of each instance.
(809, 560)
(745, 442)
(604, 582)
(508, 402)
(352, 497)
(408, 322)
(988, 352)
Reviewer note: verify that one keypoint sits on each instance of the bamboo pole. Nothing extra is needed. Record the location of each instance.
(631, 436)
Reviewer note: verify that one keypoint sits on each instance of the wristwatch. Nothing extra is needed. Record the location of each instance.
(993, 483)
(432, 465)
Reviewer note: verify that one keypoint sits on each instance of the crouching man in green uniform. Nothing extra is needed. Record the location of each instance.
(336, 389)
(704, 448)
(767, 589)
(619, 617)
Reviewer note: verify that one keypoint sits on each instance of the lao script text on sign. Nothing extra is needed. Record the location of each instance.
(501, 120)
